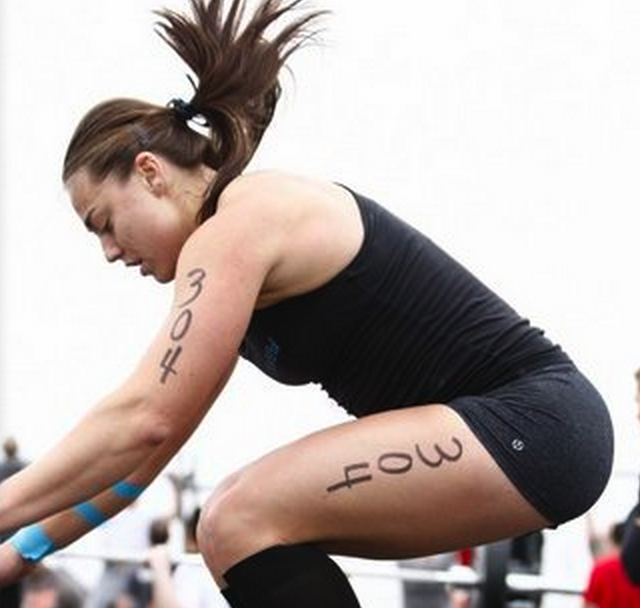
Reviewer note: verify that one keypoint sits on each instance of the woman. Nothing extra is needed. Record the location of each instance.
(470, 425)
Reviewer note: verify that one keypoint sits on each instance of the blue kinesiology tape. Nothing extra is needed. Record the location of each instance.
(128, 490)
(32, 543)
(91, 514)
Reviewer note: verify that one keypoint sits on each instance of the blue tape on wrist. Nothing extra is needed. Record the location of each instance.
(90, 513)
(128, 490)
(32, 543)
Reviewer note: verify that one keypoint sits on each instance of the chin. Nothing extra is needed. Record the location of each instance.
(164, 277)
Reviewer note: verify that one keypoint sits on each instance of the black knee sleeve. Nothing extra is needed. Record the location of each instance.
(289, 577)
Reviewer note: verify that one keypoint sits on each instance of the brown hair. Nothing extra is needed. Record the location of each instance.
(236, 94)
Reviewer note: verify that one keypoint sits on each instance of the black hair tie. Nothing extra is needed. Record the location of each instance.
(186, 112)
(183, 109)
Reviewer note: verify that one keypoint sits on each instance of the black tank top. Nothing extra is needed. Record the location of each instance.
(403, 324)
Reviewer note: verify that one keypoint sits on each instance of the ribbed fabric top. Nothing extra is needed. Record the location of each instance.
(402, 324)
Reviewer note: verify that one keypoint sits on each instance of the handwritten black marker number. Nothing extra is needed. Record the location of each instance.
(397, 463)
(198, 276)
(169, 359)
(181, 326)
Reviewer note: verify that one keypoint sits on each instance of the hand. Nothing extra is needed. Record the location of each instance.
(12, 566)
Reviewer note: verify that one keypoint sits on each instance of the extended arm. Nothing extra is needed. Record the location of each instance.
(125, 437)
(33, 543)
(141, 425)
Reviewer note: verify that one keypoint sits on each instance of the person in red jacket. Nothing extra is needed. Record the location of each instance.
(609, 586)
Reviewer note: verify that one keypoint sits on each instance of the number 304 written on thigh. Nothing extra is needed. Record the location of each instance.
(397, 463)
(181, 325)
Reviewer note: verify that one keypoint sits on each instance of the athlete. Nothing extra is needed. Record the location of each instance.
(468, 424)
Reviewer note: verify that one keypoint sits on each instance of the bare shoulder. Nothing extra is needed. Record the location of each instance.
(282, 190)
(267, 209)
(307, 228)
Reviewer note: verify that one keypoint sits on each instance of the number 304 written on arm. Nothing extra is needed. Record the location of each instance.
(181, 325)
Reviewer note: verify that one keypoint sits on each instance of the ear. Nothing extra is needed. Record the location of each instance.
(148, 166)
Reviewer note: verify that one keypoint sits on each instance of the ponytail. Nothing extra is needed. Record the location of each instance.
(236, 89)
(237, 68)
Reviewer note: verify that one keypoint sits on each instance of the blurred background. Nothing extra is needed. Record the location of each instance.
(508, 131)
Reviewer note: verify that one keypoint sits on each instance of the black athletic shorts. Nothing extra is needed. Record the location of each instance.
(551, 434)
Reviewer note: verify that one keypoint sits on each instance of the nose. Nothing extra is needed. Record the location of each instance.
(111, 249)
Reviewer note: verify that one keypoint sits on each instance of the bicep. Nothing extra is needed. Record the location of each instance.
(197, 347)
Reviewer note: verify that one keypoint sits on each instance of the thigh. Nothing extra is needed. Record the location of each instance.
(398, 484)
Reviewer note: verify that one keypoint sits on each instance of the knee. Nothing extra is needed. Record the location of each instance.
(233, 525)
(217, 522)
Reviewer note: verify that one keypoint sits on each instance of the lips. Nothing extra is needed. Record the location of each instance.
(144, 270)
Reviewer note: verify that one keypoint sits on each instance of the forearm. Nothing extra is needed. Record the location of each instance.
(107, 445)
(55, 532)
(21, 553)
(140, 423)
(35, 542)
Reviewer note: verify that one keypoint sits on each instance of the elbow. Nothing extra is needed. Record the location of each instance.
(141, 426)
(155, 429)
(155, 433)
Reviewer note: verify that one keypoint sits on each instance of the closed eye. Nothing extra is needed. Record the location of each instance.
(91, 227)
(87, 221)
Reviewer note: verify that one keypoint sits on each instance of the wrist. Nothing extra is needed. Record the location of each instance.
(32, 543)
(12, 566)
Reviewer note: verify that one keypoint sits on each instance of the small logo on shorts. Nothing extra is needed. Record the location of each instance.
(517, 445)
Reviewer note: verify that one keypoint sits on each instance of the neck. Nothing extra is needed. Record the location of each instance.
(196, 187)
